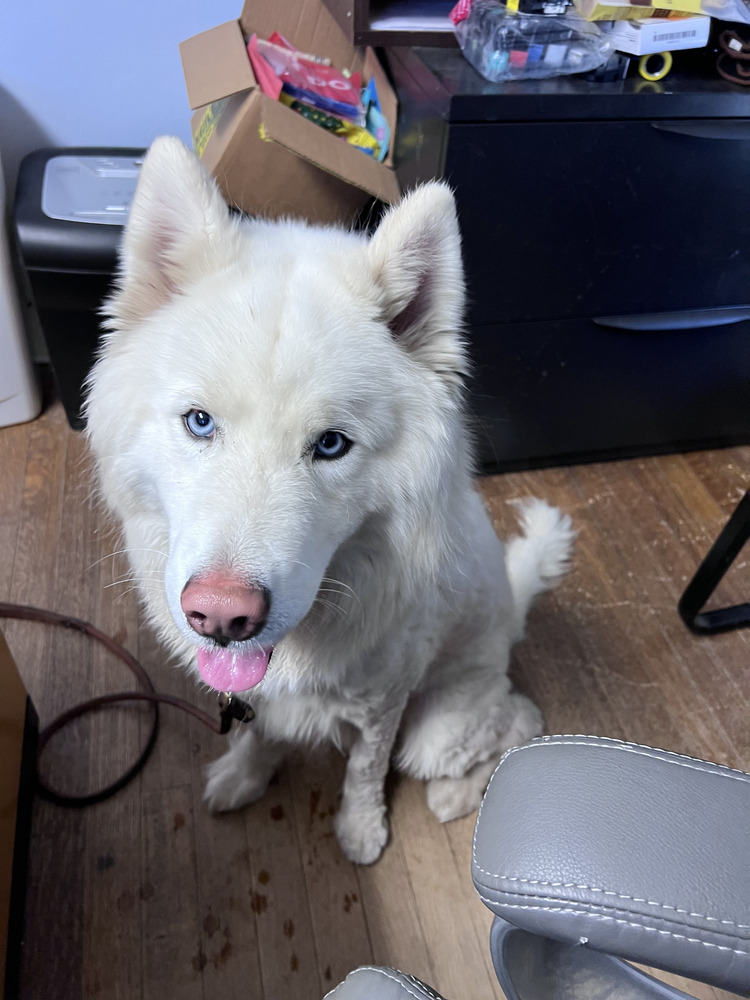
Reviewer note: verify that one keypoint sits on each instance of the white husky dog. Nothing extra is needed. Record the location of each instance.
(278, 420)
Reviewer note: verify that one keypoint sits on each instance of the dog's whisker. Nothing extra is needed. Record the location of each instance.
(124, 594)
(339, 587)
(321, 601)
(148, 586)
(126, 552)
(333, 605)
(298, 562)
(136, 581)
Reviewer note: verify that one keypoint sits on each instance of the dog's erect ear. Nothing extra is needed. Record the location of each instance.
(178, 228)
(415, 255)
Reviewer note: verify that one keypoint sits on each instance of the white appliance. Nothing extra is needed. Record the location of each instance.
(20, 399)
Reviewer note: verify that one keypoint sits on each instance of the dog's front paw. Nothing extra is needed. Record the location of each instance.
(362, 834)
(230, 786)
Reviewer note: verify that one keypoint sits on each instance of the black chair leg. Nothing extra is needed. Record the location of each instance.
(720, 557)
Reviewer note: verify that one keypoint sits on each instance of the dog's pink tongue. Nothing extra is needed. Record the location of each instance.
(233, 670)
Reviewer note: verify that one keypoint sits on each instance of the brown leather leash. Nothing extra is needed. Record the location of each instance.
(230, 706)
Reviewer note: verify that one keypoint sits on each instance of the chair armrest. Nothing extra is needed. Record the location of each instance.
(379, 982)
(624, 849)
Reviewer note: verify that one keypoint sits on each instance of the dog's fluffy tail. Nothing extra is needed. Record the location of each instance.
(536, 559)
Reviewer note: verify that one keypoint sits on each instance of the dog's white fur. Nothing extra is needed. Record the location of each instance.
(393, 605)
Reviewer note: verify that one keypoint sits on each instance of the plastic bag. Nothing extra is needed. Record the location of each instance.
(506, 45)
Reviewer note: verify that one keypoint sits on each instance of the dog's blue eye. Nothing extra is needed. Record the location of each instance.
(199, 423)
(331, 444)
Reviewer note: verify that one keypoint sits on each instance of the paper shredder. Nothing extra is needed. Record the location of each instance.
(70, 208)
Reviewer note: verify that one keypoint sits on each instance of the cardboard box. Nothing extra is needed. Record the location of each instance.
(659, 34)
(17, 751)
(266, 158)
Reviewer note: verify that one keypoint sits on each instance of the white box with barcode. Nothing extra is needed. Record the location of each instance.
(660, 34)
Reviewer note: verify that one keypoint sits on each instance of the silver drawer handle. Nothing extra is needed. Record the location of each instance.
(688, 319)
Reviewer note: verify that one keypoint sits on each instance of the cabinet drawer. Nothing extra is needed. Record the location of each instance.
(566, 219)
(551, 393)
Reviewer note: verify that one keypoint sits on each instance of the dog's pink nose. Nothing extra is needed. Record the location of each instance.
(224, 607)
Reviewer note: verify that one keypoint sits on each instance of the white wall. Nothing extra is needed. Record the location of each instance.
(95, 72)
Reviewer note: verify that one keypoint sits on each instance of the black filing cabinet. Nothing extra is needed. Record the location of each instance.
(606, 234)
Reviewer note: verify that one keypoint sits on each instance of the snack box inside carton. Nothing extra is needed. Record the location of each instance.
(617, 10)
(658, 34)
(267, 159)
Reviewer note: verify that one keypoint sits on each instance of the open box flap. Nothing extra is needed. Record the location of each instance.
(312, 143)
(308, 25)
(216, 64)
(218, 122)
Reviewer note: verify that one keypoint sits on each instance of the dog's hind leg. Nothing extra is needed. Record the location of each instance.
(448, 798)
(242, 774)
(455, 737)
(455, 733)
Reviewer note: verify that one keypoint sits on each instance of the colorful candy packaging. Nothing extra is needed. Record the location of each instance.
(355, 135)
(278, 68)
(376, 122)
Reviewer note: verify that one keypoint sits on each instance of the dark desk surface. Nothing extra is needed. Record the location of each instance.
(455, 89)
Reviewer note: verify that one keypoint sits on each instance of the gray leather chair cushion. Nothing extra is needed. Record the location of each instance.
(531, 967)
(621, 848)
(372, 982)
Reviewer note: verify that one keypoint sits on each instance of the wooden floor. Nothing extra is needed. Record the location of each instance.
(148, 895)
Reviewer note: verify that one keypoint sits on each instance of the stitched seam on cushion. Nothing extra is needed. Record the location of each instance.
(492, 903)
(592, 907)
(665, 756)
(620, 746)
(617, 895)
(427, 989)
(389, 975)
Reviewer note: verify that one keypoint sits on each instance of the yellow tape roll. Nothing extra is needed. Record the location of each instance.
(662, 61)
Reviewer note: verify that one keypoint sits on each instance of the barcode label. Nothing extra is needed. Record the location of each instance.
(669, 36)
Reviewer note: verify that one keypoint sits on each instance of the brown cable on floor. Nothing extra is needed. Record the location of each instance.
(231, 708)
